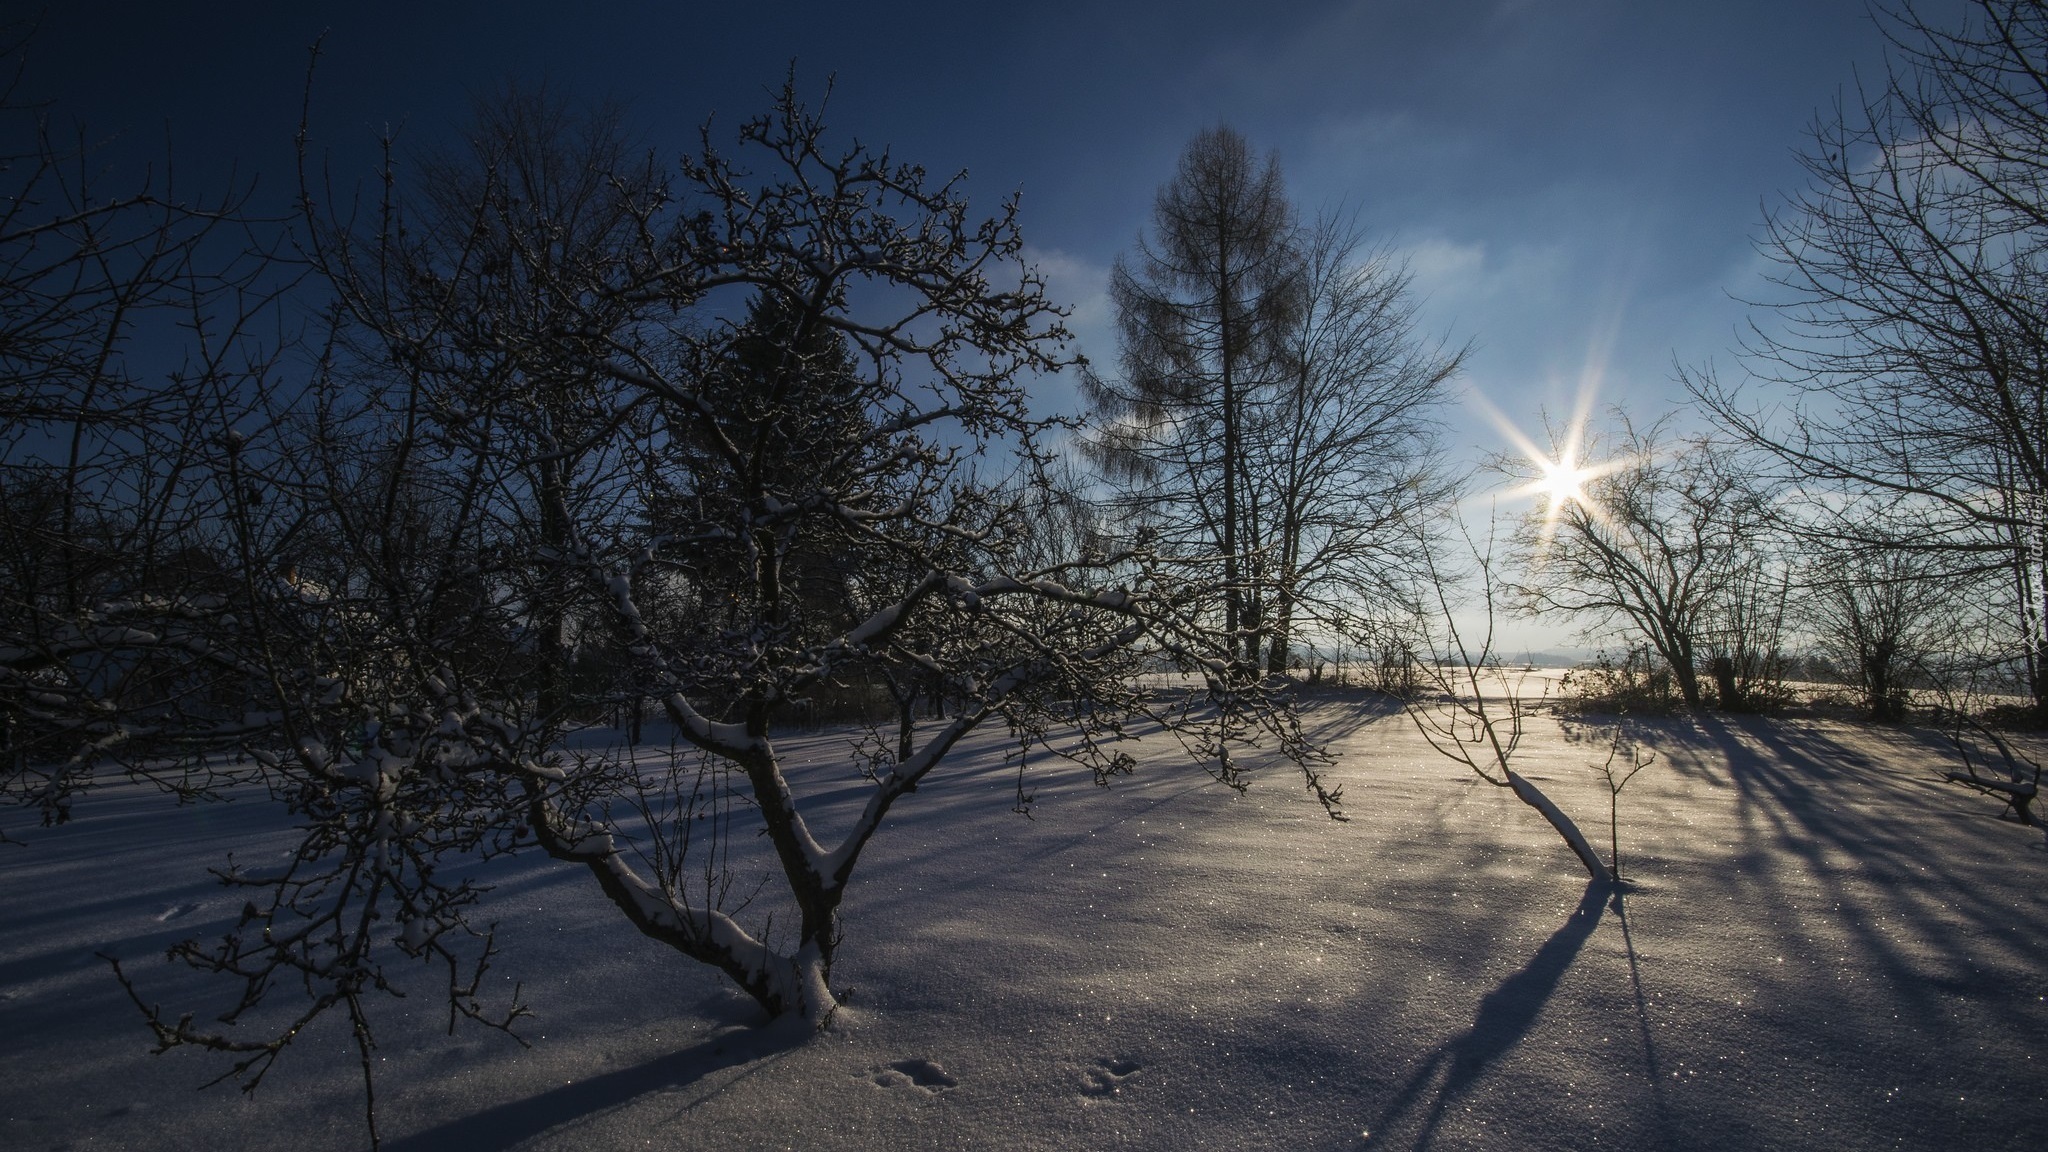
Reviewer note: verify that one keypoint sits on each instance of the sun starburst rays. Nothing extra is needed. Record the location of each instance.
(1561, 483)
(1561, 474)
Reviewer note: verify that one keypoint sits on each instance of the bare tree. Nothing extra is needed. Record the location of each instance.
(729, 428)
(1883, 614)
(1343, 453)
(1617, 776)
(111, 573)
(1748, 623)
(1273, 408)
(1657, 539)
(1914, 341)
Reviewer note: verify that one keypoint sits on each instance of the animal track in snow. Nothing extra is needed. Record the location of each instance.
(1106, 1077)
(921, 1074)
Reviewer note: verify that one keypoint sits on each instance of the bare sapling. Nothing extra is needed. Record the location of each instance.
(1618, 772)
(1991, 763)
(1473, 713)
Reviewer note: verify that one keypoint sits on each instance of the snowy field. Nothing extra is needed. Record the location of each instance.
(1826, 948)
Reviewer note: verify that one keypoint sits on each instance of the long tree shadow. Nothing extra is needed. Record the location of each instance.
(1330, 713)
(1825, 796)
(1505, 1016)
(1817, 806)
(507, 1125)
(1642, 1007)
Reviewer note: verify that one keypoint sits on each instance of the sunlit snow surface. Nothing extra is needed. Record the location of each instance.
(1827, 948)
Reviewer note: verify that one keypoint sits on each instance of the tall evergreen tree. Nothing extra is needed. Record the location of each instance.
(1272, 412)
(1200, 307)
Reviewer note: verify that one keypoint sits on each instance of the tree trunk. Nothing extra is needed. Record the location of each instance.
(1533, 796)
(551, 693)
(1885, 706)
(2037, 659)
(1688, 682)
(789, 987)
(2034, 648)
(1285, 586)
(1233, 592)
(814, 1001)
(1724, 682)
(1283, 626)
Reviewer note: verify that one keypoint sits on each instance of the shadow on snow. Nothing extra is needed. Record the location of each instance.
(1505, 1016)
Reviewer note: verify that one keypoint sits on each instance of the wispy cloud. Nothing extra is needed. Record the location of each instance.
(1455, 276)
(1082, 285)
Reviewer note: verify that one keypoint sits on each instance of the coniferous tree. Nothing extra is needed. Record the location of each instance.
(1271, 413)
(1199, 311)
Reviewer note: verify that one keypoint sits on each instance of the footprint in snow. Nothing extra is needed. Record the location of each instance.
(1106, 1077)
(173, 913)
(921, 1074)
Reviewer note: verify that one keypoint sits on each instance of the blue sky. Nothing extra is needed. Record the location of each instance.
(1574, 181)
(1577, 184)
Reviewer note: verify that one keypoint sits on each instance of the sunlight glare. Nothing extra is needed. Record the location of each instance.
(1562, 473)
(1562, 481)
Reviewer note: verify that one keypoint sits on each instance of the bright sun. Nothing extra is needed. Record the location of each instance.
(1562, 481)
(1559, 476)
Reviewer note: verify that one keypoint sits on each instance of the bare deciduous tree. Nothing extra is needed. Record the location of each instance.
(1470, 710)
(1616, 774)
(1914, 342)
(725, 433)
(1881, 614)
(1273, 410)
(111, 584)
(1343, 452)
(1658, 542)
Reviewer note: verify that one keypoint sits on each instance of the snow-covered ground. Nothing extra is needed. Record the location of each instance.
(1827, 947)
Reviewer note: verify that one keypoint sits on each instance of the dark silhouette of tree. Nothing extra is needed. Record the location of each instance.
(111, 573)
(790, 396)
(728, 440)
(1272, 411)
(1914, 343)
(1882, 614)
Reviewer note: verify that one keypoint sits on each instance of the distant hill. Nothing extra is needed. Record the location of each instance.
(1551, 657)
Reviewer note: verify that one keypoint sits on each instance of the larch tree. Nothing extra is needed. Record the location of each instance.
(1200, 308)
(1271, 412)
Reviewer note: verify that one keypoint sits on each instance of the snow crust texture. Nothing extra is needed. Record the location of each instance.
(1827, 947)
